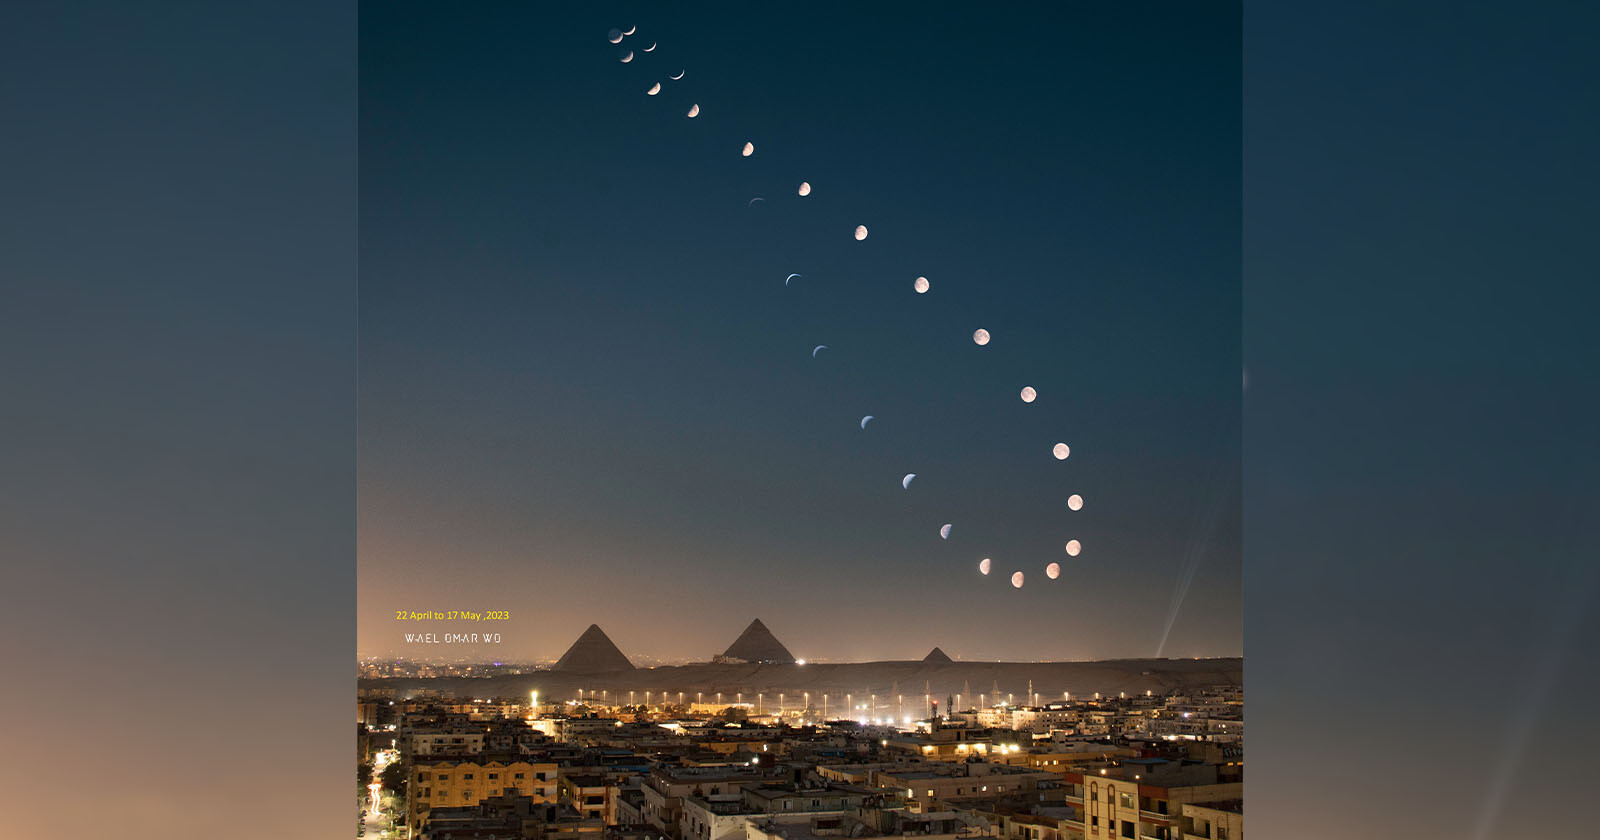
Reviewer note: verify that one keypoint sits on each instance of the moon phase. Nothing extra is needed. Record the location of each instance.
(614, 36)
(861, 232)
(1060, 450)
(805, 188)
(905, 483)
(817, 349)
(1029, 395)
(1016, 579)
(1073, 547)
(983, 566)
(980, 338)
(650, 48)
(627, 57)
(752, 202)
(944, 532)
(921, 285)
(790, 277)
(677, 77)
(1075, 502)
(864, 420)
(1052, 571)
(749, 149)
(654, 89)
(694, 110)
(632, 29)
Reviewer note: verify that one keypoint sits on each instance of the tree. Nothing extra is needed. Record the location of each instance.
(394, 779)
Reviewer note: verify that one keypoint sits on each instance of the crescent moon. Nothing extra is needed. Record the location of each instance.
(632, 29)
(864, 420)
(944, 533)
(905, 483)
(614, 36)
(753, 201)
(649, 48)
(694, 110)
(627, 57)
(817, 349)
(677, 77)
(790, 277)
(654, 89)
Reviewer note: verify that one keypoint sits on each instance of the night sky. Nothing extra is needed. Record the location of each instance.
(587, 396)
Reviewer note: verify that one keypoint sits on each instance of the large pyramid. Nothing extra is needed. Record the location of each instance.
(593, 653)
(757, 644)
(937, 656)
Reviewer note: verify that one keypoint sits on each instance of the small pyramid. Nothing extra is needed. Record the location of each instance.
(593, 653)
(937, 657)
(757, 644)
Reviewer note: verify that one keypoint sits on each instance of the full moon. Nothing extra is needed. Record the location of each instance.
(1016, 579)
(1053, 571)
(980, 338)
(983, 565)
(1029, 395)
(921, 285)
(1073, 547)
(1060, 450)
(805, 188)
(1075, 502)
(861, 232)
(749, 149)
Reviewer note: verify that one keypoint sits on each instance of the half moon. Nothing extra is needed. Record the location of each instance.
(1075, 502)
(983, 566)
(944, 532)
(654, 89)
(749, 149)
(865, 419)
(805, 188)
(905, 483)
(694, 110)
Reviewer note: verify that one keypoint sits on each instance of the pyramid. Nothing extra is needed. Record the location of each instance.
(937, 656)
(593, 653)
(757, 644)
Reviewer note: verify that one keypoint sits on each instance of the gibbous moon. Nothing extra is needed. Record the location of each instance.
(1053, 571)
(983, 565)
(627, 56)
(861, 232)
(790, 277)
(1075, 502)
(980, 338)
(944, 532)
(1016, 579)
(864, 420)
(1073, 547)
(905, 483)
(1060, 450)
(817, 349)
(749, 149)
(654, 89)
(694, 110)
(921, 285)
(1029, 395)
(677, 77)
(614, 36)
(805, 188)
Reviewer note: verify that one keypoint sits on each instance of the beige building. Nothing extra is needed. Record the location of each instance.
(1213, 820)
(454, 783)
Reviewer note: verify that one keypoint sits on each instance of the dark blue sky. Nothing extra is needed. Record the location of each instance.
(587, 396)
